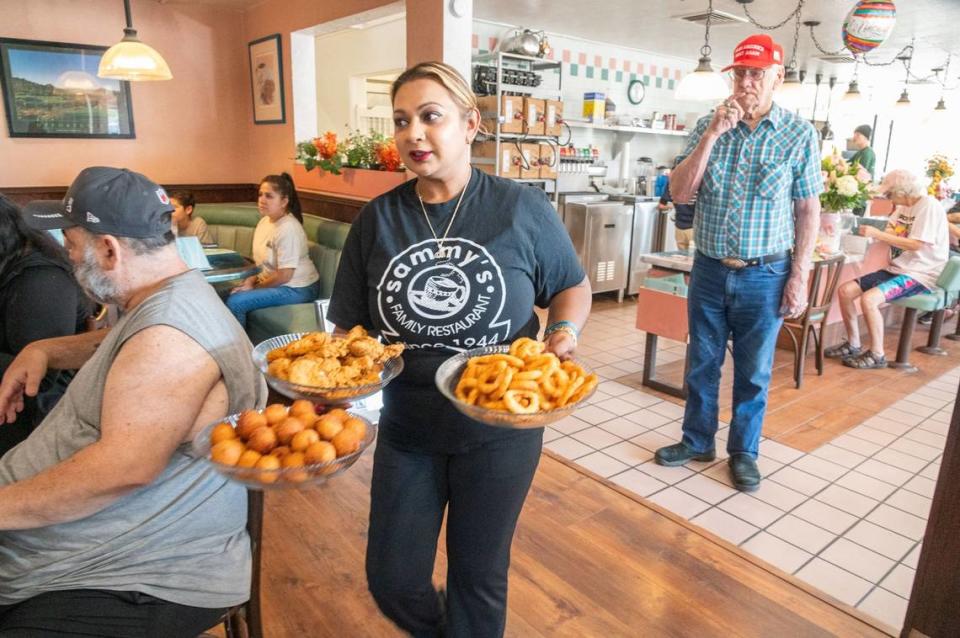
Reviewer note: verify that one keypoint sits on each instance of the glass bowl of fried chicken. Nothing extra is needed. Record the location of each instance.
(328, 368)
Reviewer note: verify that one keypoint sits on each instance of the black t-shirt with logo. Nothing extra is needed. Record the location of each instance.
(506, 251)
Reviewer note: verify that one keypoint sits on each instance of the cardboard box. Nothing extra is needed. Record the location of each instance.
(533, 112)
(531, 155)
(484, 157)
(548, 161)
(553, 114)
(511, 112)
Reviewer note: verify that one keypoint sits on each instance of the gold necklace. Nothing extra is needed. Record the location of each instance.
(440, 253)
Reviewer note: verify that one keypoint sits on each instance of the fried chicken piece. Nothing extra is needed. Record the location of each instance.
(364, 363)
(366, 347)
(356, 332)
(279, 368)
(307, 371)
(391, 351)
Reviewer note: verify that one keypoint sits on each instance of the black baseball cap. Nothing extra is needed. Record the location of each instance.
(106, 201)
(864, 130)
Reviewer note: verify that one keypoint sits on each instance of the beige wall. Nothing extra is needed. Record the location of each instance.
(197, 128)
(192, 129)
(272, 146)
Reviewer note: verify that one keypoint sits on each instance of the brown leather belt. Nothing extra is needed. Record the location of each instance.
(735, 263)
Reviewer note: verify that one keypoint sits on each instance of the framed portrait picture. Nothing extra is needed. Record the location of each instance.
(51, 89)
(266, 80)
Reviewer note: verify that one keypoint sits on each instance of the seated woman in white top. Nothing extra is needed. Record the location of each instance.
(184, 223)
(919, 249)
(287, 275)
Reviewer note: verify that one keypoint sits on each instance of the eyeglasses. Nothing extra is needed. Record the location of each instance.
(753, 73)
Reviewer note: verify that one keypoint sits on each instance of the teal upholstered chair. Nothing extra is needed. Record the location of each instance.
(946, 293)
(232, 225)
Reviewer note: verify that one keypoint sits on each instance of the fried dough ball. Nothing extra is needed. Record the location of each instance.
(303, 439)
(270, 463)
(263, 440)
(337, 413)
(320, 452)
(288, 428)
(303, 410)
(294, 460)
(357, 426)
(227, 452)
(249, 421)
(275, 413)
(222, 432)
(346, 442)
(328, 427)
(249, 458)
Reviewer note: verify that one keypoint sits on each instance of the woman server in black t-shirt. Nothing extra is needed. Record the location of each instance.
(452, 260)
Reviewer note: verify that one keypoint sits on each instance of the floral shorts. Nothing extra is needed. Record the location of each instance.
(892, 286)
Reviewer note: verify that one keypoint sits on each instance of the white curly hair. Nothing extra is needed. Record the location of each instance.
(903, 183)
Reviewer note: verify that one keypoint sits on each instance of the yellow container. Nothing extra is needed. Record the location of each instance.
(594, 106)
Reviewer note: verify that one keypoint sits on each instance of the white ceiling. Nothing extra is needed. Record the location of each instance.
(650, 25)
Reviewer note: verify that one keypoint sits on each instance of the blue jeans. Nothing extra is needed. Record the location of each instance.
(240, 303)
(745, 304)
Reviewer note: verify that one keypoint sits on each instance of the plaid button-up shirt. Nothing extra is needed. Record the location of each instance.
(745, 202)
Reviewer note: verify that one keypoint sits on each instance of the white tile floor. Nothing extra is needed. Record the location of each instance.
(847, 518)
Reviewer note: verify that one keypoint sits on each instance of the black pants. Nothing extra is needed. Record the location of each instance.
(95, 613)
(484, 490)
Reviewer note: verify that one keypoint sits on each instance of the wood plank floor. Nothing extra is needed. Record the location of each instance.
(588, 560)
(827, 406)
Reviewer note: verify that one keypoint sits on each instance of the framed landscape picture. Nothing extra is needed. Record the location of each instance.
(51, 89)
(266, 80)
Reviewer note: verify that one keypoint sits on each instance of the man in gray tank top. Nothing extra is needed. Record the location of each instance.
(107, 526)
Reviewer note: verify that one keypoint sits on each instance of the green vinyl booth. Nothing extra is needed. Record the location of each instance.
(944, 295)
(232, 225)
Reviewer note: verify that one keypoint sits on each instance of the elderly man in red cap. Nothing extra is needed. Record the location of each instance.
(754, 169)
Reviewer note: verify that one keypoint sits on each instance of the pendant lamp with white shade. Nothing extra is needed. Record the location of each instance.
(703, 83)
(130, 59)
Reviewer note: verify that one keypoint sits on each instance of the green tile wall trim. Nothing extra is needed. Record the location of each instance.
(604, 74)
(589, 71)
(573, 69)
(619, 76)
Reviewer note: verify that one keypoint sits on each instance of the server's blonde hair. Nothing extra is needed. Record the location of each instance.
(444, 75)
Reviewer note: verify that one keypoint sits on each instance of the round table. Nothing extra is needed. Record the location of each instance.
(229, 270)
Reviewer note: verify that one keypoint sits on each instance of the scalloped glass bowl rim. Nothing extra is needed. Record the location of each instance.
(391, 369)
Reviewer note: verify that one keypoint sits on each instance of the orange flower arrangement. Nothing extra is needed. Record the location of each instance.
(326, 145)
(388, 156)
(358, 150)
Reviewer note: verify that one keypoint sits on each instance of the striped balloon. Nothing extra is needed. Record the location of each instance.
(868, 24)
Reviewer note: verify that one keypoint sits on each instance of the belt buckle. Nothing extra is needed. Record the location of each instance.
(734, 263)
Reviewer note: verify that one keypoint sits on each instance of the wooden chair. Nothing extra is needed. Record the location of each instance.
(823, 285)
(243, 621)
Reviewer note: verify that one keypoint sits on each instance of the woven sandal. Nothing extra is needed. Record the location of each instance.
(866, 360)
(842, 351)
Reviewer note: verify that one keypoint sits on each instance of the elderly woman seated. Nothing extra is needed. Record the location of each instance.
(919, 249)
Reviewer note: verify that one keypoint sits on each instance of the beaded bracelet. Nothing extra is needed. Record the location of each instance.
(563, 323)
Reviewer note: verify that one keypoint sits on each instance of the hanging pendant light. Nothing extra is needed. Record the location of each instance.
(853, 97)
(903, 105)
(130, 59)
(791, 91)
(826, 133)
(703, 83)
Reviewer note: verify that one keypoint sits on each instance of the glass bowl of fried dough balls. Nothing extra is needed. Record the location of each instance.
(515, 386)
(326, 368)
(282, 447)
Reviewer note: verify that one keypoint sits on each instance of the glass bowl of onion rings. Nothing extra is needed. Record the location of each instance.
(516, 385)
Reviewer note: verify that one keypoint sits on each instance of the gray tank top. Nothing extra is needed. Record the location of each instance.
(183, 537)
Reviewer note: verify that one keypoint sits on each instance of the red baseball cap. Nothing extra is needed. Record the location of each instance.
(758, 51)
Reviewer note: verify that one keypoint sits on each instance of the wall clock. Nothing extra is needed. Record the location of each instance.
(636, 91)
